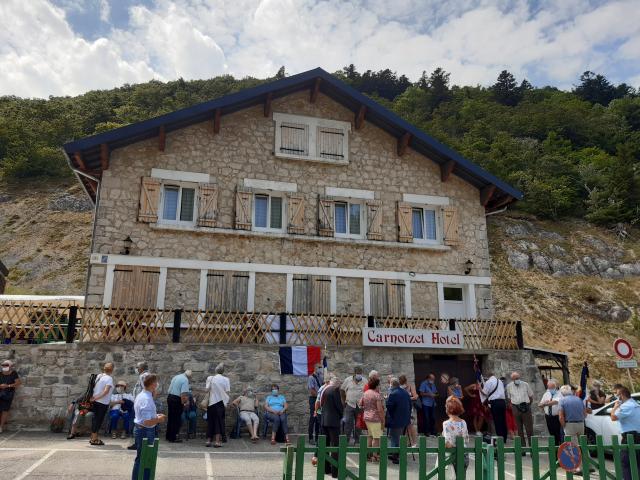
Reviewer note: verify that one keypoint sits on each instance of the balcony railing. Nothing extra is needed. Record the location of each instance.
(38, 323)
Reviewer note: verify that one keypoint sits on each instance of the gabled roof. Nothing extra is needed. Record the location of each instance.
(88, 154)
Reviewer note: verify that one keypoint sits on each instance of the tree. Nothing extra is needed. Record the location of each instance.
(437, 87)
(281, 73)
(595, 88)
(506, 90)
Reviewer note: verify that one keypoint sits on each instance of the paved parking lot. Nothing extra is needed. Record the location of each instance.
(43, 455)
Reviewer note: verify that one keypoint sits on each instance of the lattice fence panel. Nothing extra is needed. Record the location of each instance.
(33, 323)
(129, 325)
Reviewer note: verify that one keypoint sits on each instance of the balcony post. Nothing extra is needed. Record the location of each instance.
(177, 322)
(283, 329)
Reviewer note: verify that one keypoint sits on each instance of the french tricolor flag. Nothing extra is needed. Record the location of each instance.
(299, 360)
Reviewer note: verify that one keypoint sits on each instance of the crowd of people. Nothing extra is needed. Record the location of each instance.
(348, 406)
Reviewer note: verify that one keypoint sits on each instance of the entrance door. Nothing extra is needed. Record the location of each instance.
(454, 302)
(445, 367)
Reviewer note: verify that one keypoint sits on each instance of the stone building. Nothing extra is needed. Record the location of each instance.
(300, 195)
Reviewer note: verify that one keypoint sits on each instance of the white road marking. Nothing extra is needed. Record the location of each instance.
(207, 460)
(4, 440)
(35, 465)
(354, 464)
(171, 452)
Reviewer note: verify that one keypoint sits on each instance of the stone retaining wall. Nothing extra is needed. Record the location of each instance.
(54, 374)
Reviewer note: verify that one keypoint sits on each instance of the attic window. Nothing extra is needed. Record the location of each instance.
(311, 138)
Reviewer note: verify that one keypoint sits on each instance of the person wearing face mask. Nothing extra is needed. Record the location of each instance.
(9, 381)
(352, 390)
(121, 408)
(145, 420)
(247, 403)
(276, 407)
(550, 403)
(520, 396)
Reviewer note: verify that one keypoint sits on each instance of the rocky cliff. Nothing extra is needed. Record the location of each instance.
(576, 287)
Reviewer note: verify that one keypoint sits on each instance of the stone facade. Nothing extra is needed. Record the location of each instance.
(244, 149)
(55, 374)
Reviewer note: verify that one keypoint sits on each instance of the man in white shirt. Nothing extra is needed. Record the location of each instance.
(550, 403)
(520, 397)
(493, 390)
(352, 390)
(101, 398)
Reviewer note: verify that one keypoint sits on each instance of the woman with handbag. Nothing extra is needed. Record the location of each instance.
(9, 381)
(218, 387)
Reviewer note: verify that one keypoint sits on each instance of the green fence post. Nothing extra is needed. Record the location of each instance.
(489, 469)
(342, 457)
(633, 461)
(500, 455)
(602, 467)
(442, 459)
(461, 473)
(148, 459)
(551, 451)
(287, 473)
(535, 458)
(617, 461)
(384, 458)
(362, 461)
(300, 458)
(403, 457)
(322, 456)
(477, 450)
(517, 456)
(422, 457)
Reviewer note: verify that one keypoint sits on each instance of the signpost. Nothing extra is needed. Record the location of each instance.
(624, 351)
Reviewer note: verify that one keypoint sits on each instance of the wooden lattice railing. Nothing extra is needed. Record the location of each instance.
(38, 323)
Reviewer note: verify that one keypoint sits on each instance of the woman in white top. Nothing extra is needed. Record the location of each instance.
(455, 427)
(100, 400)
(218, 387)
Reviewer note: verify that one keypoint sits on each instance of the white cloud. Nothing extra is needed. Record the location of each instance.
(105, 10)
(473, 39)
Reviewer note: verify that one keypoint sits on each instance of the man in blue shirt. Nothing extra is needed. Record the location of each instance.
(177, 399)
(314, 382)
(145, 419)
(428, 393)
(627, 411)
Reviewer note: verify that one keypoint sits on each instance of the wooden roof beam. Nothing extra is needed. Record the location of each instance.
(446, 169)
(360, 117)
(315, 90)
(104, 156)
(403, 143)
(500, 202)
(79, 161)
(267, 104)
(216, 121)
(486, 193)
(162, 138)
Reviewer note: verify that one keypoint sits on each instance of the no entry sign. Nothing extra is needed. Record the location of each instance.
(623, 349)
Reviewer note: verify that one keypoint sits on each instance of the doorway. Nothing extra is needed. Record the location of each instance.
(445, 367)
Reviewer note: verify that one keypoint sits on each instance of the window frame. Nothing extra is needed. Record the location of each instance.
(363, 218)
(180, 186)
(313, 125)
(269, 194)
(437, 209)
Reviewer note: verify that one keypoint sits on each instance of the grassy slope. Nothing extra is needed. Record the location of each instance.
(47, 252)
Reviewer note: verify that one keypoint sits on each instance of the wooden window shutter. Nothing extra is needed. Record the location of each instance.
(451, 235)
(321, 295)
(243, 209)
(330, 143)
(325, 216)
(239, 291)
(379, 307)
(301, 294)
(295, 210)
(395, 291)
(374, 220)
(149, 200)
(405, 225)
(208, 205)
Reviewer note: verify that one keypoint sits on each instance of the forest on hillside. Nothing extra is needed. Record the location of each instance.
(573, 153)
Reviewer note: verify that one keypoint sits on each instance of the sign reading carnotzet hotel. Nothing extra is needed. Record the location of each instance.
(411, 338)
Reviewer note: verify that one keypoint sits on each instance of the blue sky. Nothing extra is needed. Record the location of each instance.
(78, 45)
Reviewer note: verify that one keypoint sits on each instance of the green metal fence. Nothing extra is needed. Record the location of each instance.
(148, 459)
(490, 462)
